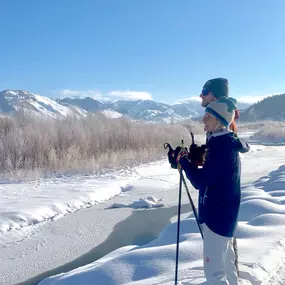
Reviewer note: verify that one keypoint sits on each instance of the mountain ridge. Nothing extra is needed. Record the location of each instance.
(15, 101)
(269, 108)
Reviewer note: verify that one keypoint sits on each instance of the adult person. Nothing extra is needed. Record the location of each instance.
(212, 90)
(218, 182)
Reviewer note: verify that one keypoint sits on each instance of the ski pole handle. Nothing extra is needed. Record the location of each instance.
(167, 145)
(192, 136)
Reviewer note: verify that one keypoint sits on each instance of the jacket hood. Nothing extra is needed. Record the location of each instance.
(240, 145)
(227, 137)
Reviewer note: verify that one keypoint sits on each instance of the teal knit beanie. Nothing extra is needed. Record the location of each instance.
(223, 109)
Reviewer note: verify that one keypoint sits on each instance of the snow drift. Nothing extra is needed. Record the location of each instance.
(260, 236)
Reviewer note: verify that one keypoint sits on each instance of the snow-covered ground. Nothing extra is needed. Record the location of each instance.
(26, 204)
(43, 230)
(56, 236)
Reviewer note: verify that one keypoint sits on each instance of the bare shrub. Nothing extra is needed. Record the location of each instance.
(194, 126)
(46, 145)
(273, 132)
(252, 126)
(197, 128)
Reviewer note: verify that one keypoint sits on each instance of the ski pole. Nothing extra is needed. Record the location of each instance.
(166, 146)
(178, 223)
(192, 205)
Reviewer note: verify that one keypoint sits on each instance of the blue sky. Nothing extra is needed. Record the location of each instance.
(152, 49)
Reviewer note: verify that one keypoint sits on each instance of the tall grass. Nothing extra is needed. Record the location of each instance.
(273, 132)
(93, 143)
(253, 126)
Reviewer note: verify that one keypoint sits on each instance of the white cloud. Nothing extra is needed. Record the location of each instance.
(131, 95)
(81, 93)
(69, 92)
(187, 100)
(113, 95)
(251, 99)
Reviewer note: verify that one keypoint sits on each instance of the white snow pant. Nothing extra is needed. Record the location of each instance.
(219, 259)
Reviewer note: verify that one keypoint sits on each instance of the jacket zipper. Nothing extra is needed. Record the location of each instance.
(205, 195)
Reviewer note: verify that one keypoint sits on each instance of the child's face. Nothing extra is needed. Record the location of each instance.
(210, 122)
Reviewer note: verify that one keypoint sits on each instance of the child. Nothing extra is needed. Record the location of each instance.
(218, 182)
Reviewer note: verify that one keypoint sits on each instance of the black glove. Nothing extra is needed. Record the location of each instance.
(197, 154)
(175, 155)
(171, 158)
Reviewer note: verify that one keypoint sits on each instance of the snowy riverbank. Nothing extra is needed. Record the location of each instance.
(32, 253)
(260, 236)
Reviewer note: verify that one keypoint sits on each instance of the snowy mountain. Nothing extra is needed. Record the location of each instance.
(191, 107)
(19, 101)
(150, 111)
(243, 105)
(147, 110)
(88, 104)
(13, 102)
(270, 108)
(154, 111)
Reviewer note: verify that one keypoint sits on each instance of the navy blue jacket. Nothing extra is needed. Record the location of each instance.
(218, 182)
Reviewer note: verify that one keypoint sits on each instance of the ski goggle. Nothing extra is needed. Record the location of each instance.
(205, 92)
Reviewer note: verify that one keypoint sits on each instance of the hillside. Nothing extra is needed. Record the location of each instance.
(270, 108)
(13, 102)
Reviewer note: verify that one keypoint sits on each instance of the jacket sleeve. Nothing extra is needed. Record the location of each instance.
(212, 170)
